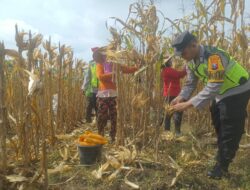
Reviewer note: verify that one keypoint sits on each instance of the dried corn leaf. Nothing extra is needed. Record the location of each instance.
(75, 157)
(35, 41)
(21, 43)
(98, 173)
(174, 180)
(185, 156)
(31, 74)
(116, 55)
(140, 70)
(37, 54)
(140, 100)
(174, 164)
(67, 49)
(35, 84)
(64, 136)
(245, 146)
(168, 136)
(194, 162)
(131, 184)
(195, 151)
(182, 139)
(114, 175)
(47, 45)
(59, 169)
(128, 41)
(16, 178)
(114, 162)
(12, 53)
(65, 154)
(12, 118)
(134, 153)
(124, 155)
(195, 139)
(201, 8)
(242, 40)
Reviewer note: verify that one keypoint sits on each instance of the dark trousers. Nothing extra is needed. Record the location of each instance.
(91, 104)
(177, 116)
(107, 110)
(228, 117)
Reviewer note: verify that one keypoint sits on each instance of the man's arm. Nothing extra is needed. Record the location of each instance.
(205, 95)
(190, 85)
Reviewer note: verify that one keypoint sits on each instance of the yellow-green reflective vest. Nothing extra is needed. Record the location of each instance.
(93, 81)
(234, 75)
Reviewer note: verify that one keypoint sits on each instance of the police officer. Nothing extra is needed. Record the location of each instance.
(226, 85)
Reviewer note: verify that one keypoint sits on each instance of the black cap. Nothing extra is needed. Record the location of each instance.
(181, 41)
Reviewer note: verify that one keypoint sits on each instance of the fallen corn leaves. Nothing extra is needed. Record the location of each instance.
(116, 160)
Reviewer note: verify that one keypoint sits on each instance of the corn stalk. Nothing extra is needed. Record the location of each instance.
(3, 112)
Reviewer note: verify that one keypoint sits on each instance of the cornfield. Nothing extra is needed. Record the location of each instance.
(40, 83)
(39, 94)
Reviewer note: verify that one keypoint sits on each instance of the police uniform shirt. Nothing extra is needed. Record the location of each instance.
(211, 90)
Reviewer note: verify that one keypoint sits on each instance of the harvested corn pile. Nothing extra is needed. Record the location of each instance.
(89, 138)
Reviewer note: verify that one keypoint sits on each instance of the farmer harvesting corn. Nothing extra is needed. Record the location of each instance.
(171, 78)
(106, 96)
(227, 85)
(90, 88)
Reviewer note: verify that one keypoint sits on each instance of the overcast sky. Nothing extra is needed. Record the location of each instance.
(78, 23)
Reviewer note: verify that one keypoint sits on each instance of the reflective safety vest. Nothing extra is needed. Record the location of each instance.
(212, 69)
(93, 85)
(94, 80)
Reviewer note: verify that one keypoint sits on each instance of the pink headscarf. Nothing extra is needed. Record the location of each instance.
(94, 49)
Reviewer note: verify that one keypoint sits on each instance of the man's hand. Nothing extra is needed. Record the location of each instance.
(177, 100)
(182, 106)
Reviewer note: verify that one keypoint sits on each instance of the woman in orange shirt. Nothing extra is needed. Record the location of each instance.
(106, 95)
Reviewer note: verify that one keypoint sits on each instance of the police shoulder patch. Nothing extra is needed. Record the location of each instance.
(215, 69)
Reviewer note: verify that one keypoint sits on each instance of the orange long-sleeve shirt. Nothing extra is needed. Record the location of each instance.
(105, 79)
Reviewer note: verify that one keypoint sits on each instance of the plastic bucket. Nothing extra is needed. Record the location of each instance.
(90, 155)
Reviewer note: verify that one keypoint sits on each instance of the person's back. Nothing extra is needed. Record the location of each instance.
(171, 78)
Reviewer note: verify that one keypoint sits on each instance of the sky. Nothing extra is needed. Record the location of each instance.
(78, 23)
